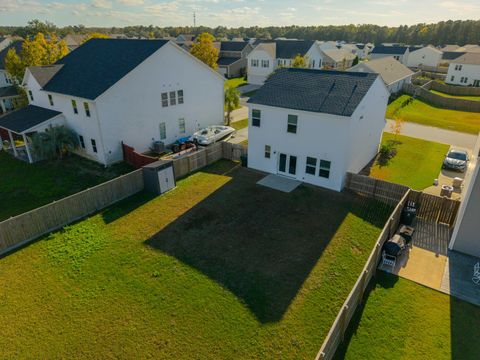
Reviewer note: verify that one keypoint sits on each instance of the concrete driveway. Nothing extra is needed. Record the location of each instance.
(430, 133)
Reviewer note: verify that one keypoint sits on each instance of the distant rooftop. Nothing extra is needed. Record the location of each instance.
(390, 50)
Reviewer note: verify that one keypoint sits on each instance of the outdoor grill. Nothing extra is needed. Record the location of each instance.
(395, 246)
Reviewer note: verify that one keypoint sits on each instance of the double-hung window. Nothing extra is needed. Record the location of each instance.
(163, 131)
(292, 124)
(268, 151)
(87, 109)
(173, 98)
(254, 62)
(94, 145)
(82, 141)
(164, 99)
(256, 116)
(311, 167)
(30, 94)
(181, 125)
(325, 168)
(74, 106)
(180, 96)
(265, 63)
(50, 99)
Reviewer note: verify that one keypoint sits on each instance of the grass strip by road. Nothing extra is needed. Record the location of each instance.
(420, 112)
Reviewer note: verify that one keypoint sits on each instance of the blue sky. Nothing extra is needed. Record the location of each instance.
(236, 12)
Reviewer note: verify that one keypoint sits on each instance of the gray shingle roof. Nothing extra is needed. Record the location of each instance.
(43, 74)
(8, 91)
(98, 64)
(451, 55)
(225, 61)
(323, 91)
(391, 50)
(26, 118)
(233, 45)
(288, 49)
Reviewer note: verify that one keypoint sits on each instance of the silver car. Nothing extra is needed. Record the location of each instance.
(456, 160)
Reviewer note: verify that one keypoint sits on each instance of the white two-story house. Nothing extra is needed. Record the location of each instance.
(399, 53)
(111, 91)
(424, 56)
(316, 125)
(464, 70)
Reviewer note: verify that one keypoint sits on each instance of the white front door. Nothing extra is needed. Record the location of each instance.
(287, 165)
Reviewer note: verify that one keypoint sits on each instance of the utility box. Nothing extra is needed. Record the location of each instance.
(159, 176)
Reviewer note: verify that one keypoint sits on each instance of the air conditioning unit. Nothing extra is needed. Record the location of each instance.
(158, 147)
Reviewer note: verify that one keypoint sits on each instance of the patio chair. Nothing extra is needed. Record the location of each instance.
(388, 260)
(476, 274)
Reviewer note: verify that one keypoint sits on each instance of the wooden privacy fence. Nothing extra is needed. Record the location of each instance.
(441, 101)
(28, 226)
(137, 160)
(455, 90)
(429, 207)
(337, 331)
(384, 191)
(233, 151)
(197, 160)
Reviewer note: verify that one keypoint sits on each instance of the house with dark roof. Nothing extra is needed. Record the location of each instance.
(269, 55)
(73, 41)
(424, 57)
(393, 72)
(464, 70)
(111, 91)
(316, 125)
(398, 52)
(9, 96)
(232, 59)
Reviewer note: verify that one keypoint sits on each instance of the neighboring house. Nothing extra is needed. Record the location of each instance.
(449, 48)
(424, 56)
(111, 91)
(399, 53)
(449, 56)
(393, 73)
(469, 48)
(338, 59)
(8, 93)
(6, 41)
(268, 56)
(232, 60)
(464, 70)
(316, 125)
(73, 41)
(465, 237)
(355, 49)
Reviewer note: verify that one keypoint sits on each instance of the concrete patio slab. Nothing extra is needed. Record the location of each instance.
(430, 263)
(280, 183)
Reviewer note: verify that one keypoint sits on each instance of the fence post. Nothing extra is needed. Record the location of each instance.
(344, 322)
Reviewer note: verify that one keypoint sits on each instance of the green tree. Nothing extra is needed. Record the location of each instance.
(35, 52)
(55, 142)
(300, 62)
(95, 35)
(204, 50)
(232, 102)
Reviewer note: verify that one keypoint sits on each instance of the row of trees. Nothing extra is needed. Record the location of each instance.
(445, 32)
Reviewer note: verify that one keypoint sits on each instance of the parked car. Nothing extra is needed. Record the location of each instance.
(211, 134)
(456, 160)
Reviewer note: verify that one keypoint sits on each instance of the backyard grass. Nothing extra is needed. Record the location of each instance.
(218, 268)
(404, 320)
(24, 186)
(416, 164)
(473, 98)
(235, 82)
(422, 113)
(237, 125)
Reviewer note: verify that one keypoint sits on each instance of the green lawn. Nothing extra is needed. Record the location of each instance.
(218, 268)
(237, 125)
(235, 82)
(24, 186)
(422, 113)
(473, 98)
(416, 164)
(404, 320)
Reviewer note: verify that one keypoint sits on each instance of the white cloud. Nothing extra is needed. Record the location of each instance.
(102, 4)
(458, 7)
(131, 2)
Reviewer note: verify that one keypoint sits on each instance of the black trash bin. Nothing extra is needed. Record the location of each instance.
(244, 160)
(409, 213)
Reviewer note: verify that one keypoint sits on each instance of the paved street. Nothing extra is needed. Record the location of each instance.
(430, 133)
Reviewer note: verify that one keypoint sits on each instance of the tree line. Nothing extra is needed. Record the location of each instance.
(445, 32)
